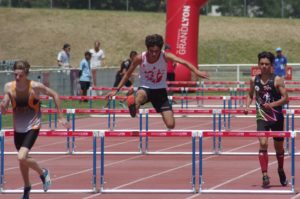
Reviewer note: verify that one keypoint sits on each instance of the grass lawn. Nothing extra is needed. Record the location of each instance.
(38, 34)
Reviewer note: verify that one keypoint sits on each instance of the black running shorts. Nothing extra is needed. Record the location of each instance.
(26, 139)
(158, 98)
(85, 85)
(274, 126)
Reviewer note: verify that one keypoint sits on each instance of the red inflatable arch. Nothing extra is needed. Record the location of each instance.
(182, 32)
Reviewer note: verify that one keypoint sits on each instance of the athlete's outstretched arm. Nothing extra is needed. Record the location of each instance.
(5, 101)
(135, 62)
(48, 91)
(191, 67)
(250, 95)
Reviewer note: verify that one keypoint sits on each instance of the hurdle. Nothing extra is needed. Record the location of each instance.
(230, 112)
(290, 125)
(54, 133)
(185, 99)
(70, 114)
(181, 133)
(112, 111)
(183, 90)
(291, 135)
(70, 141)
(214, 114)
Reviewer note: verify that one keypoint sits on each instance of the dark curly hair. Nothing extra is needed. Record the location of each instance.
(22, 65)
(270, 56)
(154, 40)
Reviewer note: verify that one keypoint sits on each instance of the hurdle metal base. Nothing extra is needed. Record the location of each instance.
(148, 191)
(233, 191)
(40, 191)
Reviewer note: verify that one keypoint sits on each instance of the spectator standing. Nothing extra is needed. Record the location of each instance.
(121, 72)
(124, 68)
(63, 61)
(171, 77)
(280, 63)
(63, 57)
(97, 60)
(170, 72)
(85, 74)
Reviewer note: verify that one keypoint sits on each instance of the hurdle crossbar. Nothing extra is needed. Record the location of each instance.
(238, 112)
(291, 135)
(212, 112)
(183, 133)
(245, 153)
(147, 190)
(58, 191)
(180, 133)
(234, 191)
(54, 133)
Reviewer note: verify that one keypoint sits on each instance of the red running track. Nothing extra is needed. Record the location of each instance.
(150, 171)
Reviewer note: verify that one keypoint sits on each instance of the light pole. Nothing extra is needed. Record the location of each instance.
(282, 8)
(245, 8)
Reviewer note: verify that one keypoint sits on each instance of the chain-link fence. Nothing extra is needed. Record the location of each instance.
(65, 82)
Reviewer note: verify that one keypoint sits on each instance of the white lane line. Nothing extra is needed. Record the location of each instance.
(129, 159)
(163, 172)
(236, 178)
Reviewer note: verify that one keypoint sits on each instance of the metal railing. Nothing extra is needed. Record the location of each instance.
(65, 82)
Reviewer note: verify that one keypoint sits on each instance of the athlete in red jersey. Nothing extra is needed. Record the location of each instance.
(153, 75)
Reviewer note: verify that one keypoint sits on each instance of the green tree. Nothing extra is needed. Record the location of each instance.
(229, 7)
(265, 8)
(292, 8)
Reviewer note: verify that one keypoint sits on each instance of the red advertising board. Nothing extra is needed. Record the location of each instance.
(182, 30)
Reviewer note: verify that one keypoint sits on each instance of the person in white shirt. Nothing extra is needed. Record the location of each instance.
(97, 60)
(63, 61)
(63, 57)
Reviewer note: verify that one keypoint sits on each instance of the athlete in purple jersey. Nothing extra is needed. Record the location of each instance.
(271, 95)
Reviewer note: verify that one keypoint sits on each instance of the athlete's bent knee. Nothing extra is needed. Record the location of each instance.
(22, 159)
(170, 125)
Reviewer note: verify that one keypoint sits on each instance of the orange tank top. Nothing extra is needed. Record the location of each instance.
(26, 109)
